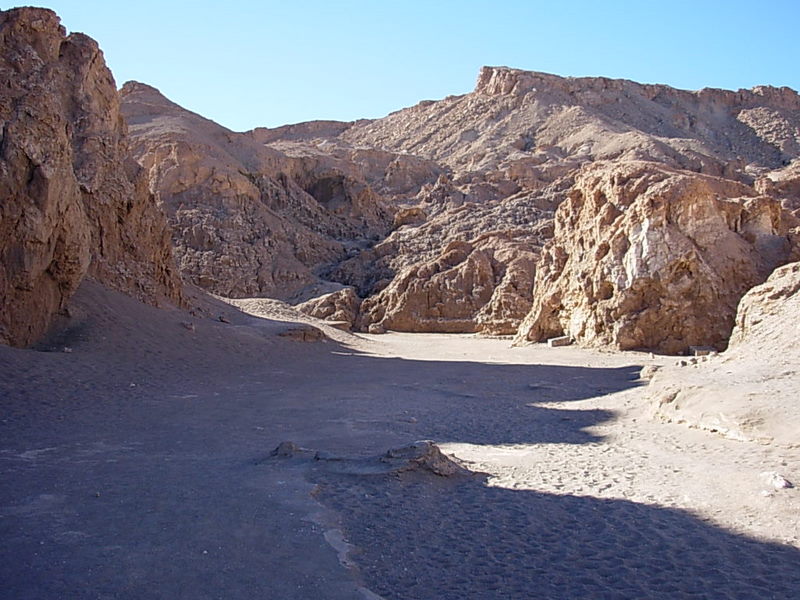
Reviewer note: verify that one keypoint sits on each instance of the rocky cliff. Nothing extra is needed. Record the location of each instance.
(524, 119)
(437, 215)
(74, 203)
(645, 256)
(248, 219)
(523, 143)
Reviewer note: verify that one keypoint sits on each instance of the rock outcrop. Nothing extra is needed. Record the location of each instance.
(766, 326)
(482, 286)
(248, 219)
(413, 281)
(74, 203)
(783, 184)
(750, 391)
(380, 205)
(671, 204)
(527, 120)
(650, 257)
(514, 148)
(341, 306)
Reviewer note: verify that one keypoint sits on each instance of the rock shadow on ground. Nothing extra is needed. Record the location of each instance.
(419, 536)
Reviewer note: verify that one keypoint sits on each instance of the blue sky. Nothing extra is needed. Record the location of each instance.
(247, 64)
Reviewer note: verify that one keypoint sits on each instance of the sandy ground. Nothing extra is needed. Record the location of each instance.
(137, 465)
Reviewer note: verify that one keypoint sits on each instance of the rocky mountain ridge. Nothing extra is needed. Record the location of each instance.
(243, 223)
(620, 214)
(514, 114)
(516, 148)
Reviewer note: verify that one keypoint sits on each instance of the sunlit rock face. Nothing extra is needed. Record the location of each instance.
(650, 257)
(247, 220)
(436, 214)
(74, 203)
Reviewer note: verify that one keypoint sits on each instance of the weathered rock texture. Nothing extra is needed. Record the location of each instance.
(482, 286)
(523, 124)
(436, 214)
(511, 152)
(248, 220)
(784, 184)
(750, 391)
(650, 257)
(73, 202)
(341, 306)
(766, 324)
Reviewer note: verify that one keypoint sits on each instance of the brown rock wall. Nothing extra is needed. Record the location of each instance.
(247, 219)
(73, 202)
(481, 286)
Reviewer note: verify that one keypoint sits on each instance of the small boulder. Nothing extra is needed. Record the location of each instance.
(303, 333)
(423, 455)
(776, 480)
(287, 450)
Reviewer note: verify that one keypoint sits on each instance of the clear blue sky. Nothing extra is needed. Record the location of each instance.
(247, 64)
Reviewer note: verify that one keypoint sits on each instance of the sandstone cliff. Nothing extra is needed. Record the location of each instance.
(649, 257)
(483, 173)
(74, 202)
(523, 119)
(480, 286)
(413, 281)
(521, 139)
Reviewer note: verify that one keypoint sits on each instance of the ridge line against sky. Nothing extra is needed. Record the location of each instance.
(251, 64)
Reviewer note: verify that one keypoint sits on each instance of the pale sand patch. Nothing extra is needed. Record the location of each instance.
(636, 457)
(666, 465)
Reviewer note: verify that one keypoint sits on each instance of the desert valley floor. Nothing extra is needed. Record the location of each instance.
(137, 464)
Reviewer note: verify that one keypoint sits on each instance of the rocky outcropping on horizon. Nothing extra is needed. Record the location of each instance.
(621, 214)
(74, 202)
(465, 249)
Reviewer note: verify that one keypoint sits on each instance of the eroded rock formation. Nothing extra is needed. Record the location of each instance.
(766, 319)
(74, 203)
(341, 306)
(247, 219)
(650, 257)
(511, 152)
(483, 286)
(524, 124)
(436, 214)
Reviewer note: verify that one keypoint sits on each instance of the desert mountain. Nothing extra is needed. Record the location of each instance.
(618, 214)
(523, 119)
(524, 141)
(136, 443)
(437, 215)
(247, 219)
(73, 202)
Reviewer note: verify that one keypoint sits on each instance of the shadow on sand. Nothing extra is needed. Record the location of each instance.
(113, 491)
(419, 536)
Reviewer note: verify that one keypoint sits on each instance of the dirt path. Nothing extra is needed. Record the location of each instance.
(138, 465)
